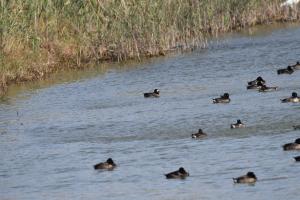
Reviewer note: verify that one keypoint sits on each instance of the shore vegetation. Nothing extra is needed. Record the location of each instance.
(40, 37)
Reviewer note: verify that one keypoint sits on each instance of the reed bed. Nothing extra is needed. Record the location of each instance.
(40, 37)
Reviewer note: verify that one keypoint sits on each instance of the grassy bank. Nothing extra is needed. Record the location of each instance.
(40, 37)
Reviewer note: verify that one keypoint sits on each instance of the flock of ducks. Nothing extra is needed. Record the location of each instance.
(259, 84)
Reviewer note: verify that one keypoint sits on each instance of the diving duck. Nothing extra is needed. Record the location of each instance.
(109, 165)
(200, 134)
(294, 98)
(287, 70)
(258, 79)
(222, 99)
(248, 178)
(292, 146)
(181, 174)
(155, 93)
(238, 124)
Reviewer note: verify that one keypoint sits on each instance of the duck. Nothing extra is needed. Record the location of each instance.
(258, 85)
(155, 93)
(297, 158)
(258, 79)
(200, 134)
(296, 127)
(109, 165)
(179, 174)
(294, 98)
(222, 99)
(265, 88)
(287, 70)
(250, 177)
(296, 66)
(238, 124)
(292, 146)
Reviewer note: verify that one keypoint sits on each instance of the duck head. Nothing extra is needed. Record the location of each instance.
(110, 161)
(238, 121)
(182, 170)
(297, 141)
(251, 175)
(200, 130)
(294, 95)
(156, 91)
(260, 79)
(226, 95)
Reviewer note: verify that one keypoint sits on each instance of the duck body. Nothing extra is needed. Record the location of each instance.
(108, 165)
(200, 134)
(155, 93)
(265, 88)
(250, 87)
(179, 174)
(248, 178)
(238, 124)
(292, 146)
(287, 70)
(291, 99)
(294, 98)
(222, 99)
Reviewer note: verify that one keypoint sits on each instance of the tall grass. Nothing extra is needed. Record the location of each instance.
(40, 36)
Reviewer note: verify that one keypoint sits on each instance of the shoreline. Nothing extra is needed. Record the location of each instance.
(50, 57)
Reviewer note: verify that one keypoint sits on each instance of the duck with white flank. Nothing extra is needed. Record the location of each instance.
(238, 124)
(294, 98)
(292, 146)
(250, 177)
(222, 99)
(200, 134)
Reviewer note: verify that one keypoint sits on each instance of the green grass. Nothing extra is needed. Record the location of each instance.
(38, 37)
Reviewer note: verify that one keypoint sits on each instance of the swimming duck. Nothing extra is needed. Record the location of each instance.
(200, 134)
(222, 99)
(238, 124)
(248, 178)
(292, 146)
(109, 165)
(265, 88)
(181, 173)
(258, 79)
(258, 85)
(294, 98)
(297, 158)
(287, 70)
(296, 127)
(296, 66)
(155, 93)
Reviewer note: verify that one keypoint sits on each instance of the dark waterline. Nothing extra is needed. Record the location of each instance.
(53, 132)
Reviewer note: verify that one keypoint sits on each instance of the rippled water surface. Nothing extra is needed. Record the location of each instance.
(51, 134)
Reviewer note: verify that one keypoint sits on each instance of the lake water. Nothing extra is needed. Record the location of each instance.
(52, 132)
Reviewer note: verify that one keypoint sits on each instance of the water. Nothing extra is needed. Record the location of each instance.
(53, 132)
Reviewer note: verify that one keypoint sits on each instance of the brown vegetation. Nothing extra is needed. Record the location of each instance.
(40, 37)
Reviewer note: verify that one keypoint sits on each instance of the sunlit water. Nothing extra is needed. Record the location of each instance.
(51, 136)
